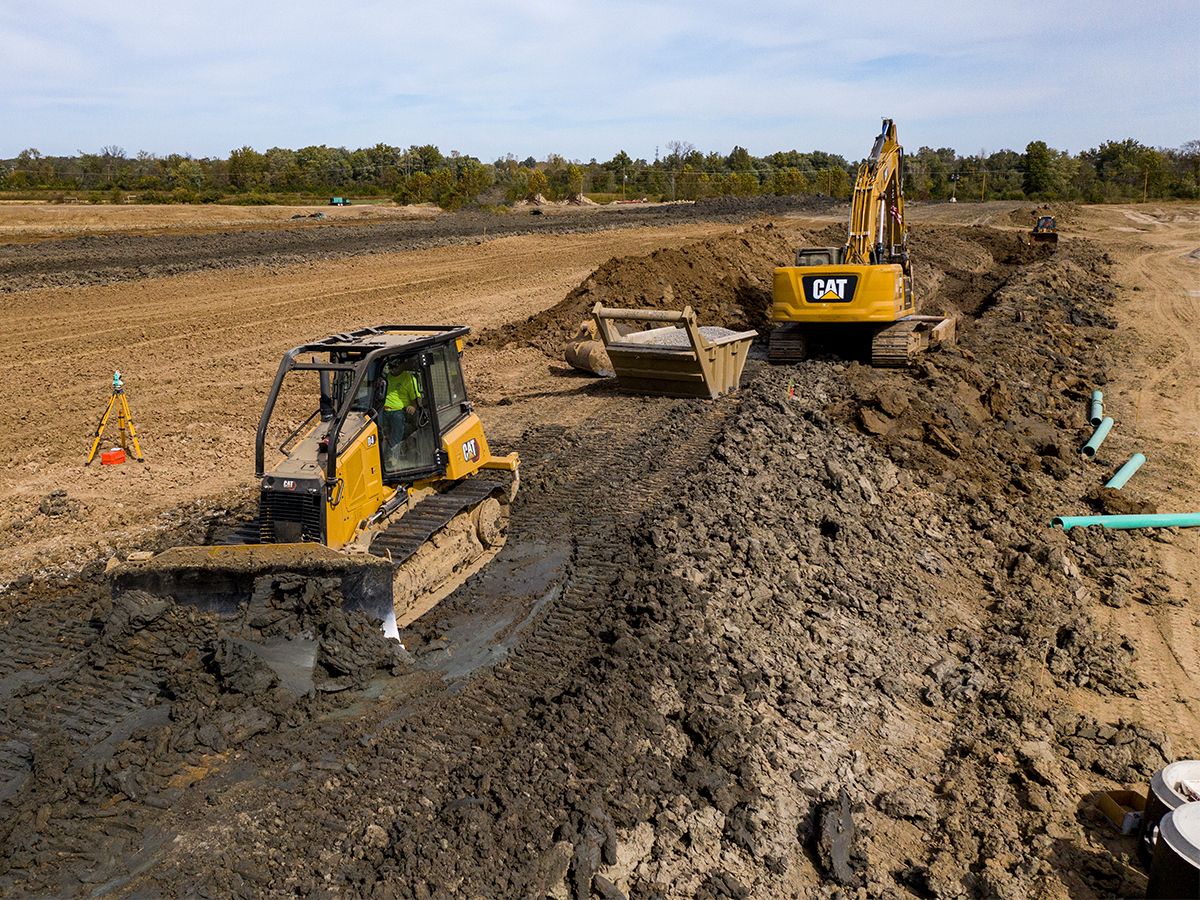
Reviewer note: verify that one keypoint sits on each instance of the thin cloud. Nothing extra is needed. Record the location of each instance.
(585, 79)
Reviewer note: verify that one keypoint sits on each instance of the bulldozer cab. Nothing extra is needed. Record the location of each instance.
(389, 392)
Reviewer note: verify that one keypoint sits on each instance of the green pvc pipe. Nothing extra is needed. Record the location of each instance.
(1126, 471)
(1148, 520)
(1096, 415)
(1097, 438)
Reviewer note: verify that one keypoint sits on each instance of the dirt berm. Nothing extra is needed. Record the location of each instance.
(814, 640)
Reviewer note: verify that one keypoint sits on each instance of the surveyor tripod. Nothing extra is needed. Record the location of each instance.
(118, 401)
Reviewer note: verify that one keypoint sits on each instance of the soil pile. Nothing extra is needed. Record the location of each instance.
(726, 280)
(1064, 214)
(960, 269)
(826, 662)
(157, 691)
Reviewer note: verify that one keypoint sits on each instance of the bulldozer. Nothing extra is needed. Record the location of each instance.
(1044, 231)
(387, 484)
(863, 290)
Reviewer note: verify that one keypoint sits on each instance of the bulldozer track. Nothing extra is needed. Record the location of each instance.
(406, 536)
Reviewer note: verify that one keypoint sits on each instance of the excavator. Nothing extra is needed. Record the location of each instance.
(388, 486)
(864, 289)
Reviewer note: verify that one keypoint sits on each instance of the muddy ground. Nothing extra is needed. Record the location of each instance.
(816, 639)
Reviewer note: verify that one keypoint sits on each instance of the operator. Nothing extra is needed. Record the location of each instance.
(400, 402)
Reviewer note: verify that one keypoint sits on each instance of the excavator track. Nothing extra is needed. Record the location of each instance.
(896, 346)
(788, 343)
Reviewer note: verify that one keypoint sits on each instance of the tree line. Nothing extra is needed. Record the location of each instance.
(1114, 171)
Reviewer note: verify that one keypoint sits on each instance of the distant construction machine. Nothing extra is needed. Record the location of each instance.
(862, 291)
(1044, 231)
(387, 487)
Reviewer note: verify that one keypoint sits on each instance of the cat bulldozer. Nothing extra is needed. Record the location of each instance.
(1044, 231)
(387, 485)
(863, 291)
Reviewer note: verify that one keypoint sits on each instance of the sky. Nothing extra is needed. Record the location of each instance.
(586, 79)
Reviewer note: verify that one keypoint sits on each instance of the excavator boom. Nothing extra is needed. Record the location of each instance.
(877, 230)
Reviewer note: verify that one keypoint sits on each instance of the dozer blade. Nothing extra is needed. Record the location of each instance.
(223, 579)
(411, 565)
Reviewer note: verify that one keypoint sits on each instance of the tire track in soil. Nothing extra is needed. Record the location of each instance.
(601, 477)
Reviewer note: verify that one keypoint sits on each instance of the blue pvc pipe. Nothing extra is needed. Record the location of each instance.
(1096, 415)
(1148, 520)
(1126, 471)
(1097, 438)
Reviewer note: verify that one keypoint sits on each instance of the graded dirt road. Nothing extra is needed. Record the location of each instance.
(815, 638)
(1156, 402)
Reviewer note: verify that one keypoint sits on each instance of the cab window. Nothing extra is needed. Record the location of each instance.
(445, 372)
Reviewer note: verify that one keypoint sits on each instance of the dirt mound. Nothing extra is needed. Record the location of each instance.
(1064, 214)
(960, 269)
(822, 662)
(726, 280)
(158, 689)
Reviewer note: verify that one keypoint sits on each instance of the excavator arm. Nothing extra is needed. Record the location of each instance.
(877, 230)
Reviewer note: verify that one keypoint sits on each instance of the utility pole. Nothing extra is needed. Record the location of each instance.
(983, 190)
(1145, 183)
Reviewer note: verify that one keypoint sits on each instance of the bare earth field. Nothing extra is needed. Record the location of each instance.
(817, 639)
(22, 222)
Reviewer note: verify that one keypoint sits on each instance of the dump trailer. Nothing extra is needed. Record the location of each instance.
(387, 485)
(675, 356)
(862, 291)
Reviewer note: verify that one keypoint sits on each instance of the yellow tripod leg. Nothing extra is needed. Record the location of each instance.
(133, 438)
(100, 428)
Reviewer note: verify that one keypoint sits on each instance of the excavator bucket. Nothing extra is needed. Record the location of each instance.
(676, 358)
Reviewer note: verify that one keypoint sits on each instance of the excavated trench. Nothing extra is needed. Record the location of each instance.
(813, 638)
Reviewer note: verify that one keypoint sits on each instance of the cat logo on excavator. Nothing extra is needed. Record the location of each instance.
(830, 289)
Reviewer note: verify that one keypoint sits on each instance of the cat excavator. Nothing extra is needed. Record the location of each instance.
(863, 290)
(386, 489)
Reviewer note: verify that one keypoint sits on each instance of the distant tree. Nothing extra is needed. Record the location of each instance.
(620, 163)
(1047, 172)
(789, 182)
(247, 169)
(738, 160)
(426, 158)
(536, 184)
(574, 180)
